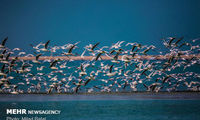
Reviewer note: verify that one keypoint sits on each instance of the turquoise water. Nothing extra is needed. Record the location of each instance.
(110, 109)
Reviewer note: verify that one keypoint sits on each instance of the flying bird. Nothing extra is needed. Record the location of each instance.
(2, 45)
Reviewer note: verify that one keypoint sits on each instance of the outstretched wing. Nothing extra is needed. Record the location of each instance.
(95, 45)
(37, 56)
(4, 41)
(3, 67)
(46, 44)
(111, 68)
(70, 50)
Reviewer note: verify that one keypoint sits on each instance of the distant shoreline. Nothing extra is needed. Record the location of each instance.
(100, 96)
(148, 57)
(109, 93)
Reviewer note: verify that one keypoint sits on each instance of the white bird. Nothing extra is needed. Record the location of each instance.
(117, 45)
(110, 73)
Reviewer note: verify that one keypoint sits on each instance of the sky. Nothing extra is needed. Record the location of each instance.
(89, 21)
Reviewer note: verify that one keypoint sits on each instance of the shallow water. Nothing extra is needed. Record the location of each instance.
(107, 107)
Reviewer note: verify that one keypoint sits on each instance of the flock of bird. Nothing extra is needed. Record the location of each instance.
(124, 71)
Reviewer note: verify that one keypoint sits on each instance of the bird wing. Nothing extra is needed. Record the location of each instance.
(145, 86)
(144, 71)
(145, 51)
(111, 68)
(46, 44)
(87, 82)
(2, 68)
(70, 50)
(95, 45)
(82, 68)
(170, 42)
(53, 63)
(4, 52)
(133, 48)
(8, 56)
(4, 41)
(111, 52)
(98, 56)
(37, 56)
(125, 84)
(116, 56)
(179, 40)
(185, 43)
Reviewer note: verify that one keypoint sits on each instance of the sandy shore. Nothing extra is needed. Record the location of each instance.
(147, 57)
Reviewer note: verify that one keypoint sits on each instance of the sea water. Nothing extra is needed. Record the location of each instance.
(106, 107)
